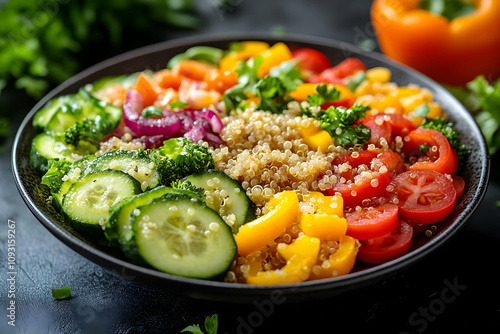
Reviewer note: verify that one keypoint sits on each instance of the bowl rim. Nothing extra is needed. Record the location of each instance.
(343, 283)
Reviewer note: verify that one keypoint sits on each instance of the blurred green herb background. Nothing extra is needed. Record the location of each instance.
(44, 42)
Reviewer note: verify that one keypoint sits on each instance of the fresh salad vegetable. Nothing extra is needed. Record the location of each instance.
(439, 37)
(258, 164)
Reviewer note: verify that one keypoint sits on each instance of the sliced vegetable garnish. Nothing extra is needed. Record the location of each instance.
(228, 166)
(423, 196)
(388, 247)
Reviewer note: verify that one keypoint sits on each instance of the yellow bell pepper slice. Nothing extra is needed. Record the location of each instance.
(339, 263)
(248, 50)
(330, 205)
(323, 226)
(272, 57)
(306, 89)
(325, 218)
(301, 255)
(378, 74)
(315, 137)
(282, 211)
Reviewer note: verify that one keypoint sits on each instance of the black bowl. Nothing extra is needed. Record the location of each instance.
(155, 57)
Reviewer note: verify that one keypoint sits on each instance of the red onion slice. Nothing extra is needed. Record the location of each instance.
(141, 126)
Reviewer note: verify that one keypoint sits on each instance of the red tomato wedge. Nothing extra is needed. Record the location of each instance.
(372, 222)
(388, 247)
(361, 175)
(380, 128)
(400, 126)
(393, 161)
(336, 73)
(459, 184)
(439, 156)
(311, 60)
(424, 196)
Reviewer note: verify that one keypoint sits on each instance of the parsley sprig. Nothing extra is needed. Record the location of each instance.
(211, 325)
(341, 124)
(272, 91)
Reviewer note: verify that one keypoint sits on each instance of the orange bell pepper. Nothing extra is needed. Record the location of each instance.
(450, 51)
(192, 69)
(148, 89)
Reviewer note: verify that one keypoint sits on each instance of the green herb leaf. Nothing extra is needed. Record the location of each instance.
(288, 74)
(422, 110)
(194, 329)
(62, 293)
(446, 128)
(235, 96)
(178, 104)
(271, 92)
(211, 325)
(340, 123)
(323, 95)
(356, 80)
(423, 148)
(151, 111)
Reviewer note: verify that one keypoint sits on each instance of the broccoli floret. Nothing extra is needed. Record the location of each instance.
(446, 128)
(182, 158)
(54, 176)
(92, 131)
(340, 123)
(187, 185)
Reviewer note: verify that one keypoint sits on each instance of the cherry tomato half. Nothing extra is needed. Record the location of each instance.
(393, 161)
(400, 126)
(425, 196)
(372, 222)
(388, 247)
(380, 128)
(459, 184)
(438, 155)
(311, 60)
(360, 175)
(336, 73)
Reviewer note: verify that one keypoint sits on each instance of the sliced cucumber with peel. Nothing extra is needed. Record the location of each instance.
(180, 235)
(86, 204)
(118, 228)
(226, 196)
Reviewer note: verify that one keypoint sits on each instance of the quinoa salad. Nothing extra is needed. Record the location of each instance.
(258, 164)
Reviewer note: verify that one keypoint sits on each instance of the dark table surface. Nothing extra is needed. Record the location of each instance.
(456, 288)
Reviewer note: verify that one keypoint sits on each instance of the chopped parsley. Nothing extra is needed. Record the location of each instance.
(341, 124)
(211, 325)
(62, 293)
(271, 91)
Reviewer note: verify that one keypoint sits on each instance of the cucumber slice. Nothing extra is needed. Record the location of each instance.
(44, 115)
(106, 82)
(63, 112)
(182, 236)
(87, 202)
(45, 147)
(137, 164)
(226, 196)
(119, 224)
(63, 119)
(75, 172)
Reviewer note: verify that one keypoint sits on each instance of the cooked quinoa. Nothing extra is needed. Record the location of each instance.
(267, 155)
